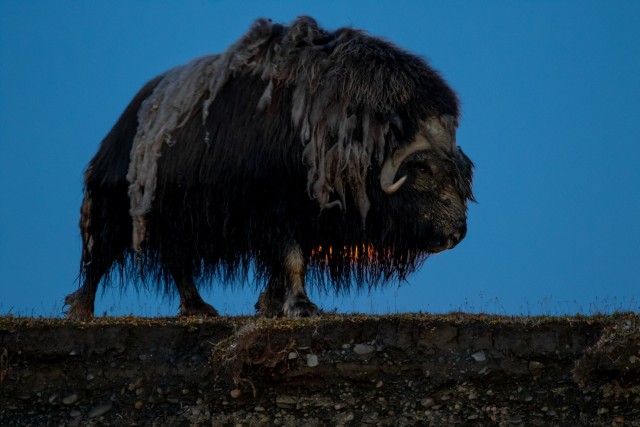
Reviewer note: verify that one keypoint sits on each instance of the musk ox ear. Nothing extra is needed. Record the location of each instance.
(436, 133)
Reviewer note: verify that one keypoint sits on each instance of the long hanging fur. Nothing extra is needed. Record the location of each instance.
(280, 139)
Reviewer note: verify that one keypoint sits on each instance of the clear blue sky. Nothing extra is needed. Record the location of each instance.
(551, 117)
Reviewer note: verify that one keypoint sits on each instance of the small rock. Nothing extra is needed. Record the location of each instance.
(90, 376)
(363, 349)
(602, 411)
(258, 409)
(346, 346)
(479, 356)
(137, 383)
(528, 398)
(312, 360)
(293, 355)
(236, 393)
(536, 368)
(75, 413)
(473, 417)
(52, 398)
(286, 402)
(99, 410)
(516, 419)
(138, 405)
(427, 402)
(72, 398)
(379, 384)
(618, 420)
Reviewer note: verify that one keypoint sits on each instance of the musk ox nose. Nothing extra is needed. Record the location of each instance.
(457, 236)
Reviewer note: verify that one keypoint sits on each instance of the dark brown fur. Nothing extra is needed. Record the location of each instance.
(271, 166)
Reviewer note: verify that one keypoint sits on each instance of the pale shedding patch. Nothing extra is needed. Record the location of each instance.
(169, 107)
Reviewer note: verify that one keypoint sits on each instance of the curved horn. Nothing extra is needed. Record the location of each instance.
(391, 165)
(436, 132)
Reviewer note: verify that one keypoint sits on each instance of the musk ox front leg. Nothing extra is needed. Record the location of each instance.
(191, 303)
(286, 294)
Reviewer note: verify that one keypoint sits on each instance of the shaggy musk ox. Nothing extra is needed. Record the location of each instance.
(298, 154)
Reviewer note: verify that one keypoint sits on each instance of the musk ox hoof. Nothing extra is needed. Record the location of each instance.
(268, 306)
(294, 306)
(300, 306)
(200, 309)
(79, 308)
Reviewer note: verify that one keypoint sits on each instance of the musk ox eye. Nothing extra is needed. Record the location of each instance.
(425, 168)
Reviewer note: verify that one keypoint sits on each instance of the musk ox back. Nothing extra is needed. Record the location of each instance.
(298, 154)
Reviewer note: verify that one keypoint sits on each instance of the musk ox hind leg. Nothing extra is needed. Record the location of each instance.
(101, 246)
(285, 294)
(191, 303)
(81, 302)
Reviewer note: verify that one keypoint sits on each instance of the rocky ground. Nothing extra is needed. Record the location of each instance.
(334, 370)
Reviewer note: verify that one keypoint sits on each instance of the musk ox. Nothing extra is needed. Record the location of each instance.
(298, 154)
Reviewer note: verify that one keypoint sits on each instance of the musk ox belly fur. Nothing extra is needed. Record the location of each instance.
(297, 155)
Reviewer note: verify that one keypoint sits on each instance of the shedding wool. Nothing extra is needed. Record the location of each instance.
(340, 108)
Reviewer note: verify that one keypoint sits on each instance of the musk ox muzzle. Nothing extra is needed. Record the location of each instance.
(298, 155)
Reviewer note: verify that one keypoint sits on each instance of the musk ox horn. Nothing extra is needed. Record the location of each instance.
(435, 133)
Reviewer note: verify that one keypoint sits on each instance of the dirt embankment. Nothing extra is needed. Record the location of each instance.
(335, 370)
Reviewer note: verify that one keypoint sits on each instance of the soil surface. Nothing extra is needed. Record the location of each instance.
(345, 370)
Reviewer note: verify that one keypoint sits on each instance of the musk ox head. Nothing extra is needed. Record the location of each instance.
(433, 176)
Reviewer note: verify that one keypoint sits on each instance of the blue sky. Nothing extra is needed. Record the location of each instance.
(551, 110)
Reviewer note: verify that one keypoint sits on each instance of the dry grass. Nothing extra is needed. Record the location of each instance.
(11, 322)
